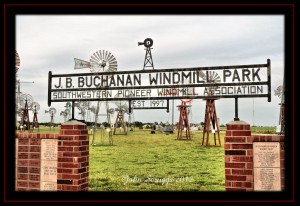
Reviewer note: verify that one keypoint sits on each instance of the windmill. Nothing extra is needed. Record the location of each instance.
(121, 107)
(52, 112)
(26, 101)
(35, 108)
(100, 61)
(183, 119)
(211, 118)
(65, 114)
(280, 93)
(83, 107)
(148, 42)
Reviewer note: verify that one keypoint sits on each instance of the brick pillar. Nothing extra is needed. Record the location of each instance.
(73, 157)
(238, 157)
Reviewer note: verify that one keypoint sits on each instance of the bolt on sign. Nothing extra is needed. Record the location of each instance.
(237, 81)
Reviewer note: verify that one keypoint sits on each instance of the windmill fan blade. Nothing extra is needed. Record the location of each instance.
(80, 64)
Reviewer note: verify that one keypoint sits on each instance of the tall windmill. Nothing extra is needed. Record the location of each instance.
(35, 108)
(211, 118)
(280, 93)
(184, 120)
(148, 42)
(100, 61)
(26, 101)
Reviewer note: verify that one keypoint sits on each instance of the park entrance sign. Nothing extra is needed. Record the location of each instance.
(237, 81)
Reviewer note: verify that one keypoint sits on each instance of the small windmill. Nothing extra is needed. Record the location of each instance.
(65, 114)
(211, 77)
(26, 101)
(52, 112)
(35, 108)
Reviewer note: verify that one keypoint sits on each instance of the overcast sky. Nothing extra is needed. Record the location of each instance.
(51, 42)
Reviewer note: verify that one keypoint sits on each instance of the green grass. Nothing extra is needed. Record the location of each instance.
(141, 161)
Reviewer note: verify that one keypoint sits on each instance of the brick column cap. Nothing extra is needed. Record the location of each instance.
(73, 122)
(240, 122)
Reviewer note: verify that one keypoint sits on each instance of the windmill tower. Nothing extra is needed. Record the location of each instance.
(52, 112)
(280, 93)
(26, 101)
(148, 56)
(183, 122)
(35, 108)
(210, 110)
(120, 123)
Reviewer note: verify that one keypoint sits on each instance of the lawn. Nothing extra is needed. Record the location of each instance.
(141, 161)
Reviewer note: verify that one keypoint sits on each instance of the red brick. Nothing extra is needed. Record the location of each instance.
(227, 146)
(70, 165)
(22, 183)
(248, 184)
(34, 163)
(34, 177)
(21, 189)
(228, 133)
(234, 139)
(84, 153)
(249, 165)
(23, 142)
(23, 148)
(71, 143)
(34, 185)
(249, 178)
(63, 170)
(275, 138)
(84, 186)
(84, 137)
(66, 137)
(84, 142)
(246, 127)
(22, 169)
(35, 148)
(84, 175)
(83, 132)
(255, 138)
(35, 141)
(228, 171)
(60, 148)
(250, 139)
(234, 165)
(241, 172)
(249, 152)
(236, 184)
(281, 138)
(84, 164)
(70, 188)
(65, 159)
(282, 163)
(22, 162)
(66, 126)
(35, 170)
(227, 184)
(22, 177)
(71, 132)
(242, 146)
(34, 155)
(71, 154)
(235, 178)
(22, 155)
(70, 176)
(227, 158)
(241, 133)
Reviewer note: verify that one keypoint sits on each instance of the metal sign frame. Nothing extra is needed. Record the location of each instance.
(175, 70)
